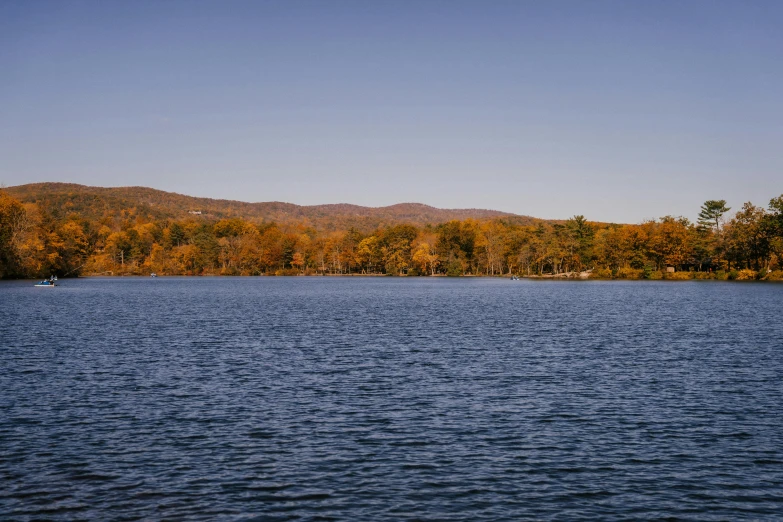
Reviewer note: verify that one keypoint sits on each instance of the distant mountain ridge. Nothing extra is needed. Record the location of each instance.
(94, 202)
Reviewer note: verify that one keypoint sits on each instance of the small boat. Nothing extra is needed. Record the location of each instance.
(48, 282)
(153, 274)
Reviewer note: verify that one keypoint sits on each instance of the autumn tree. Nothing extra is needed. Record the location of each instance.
(425, 255)
(671, 242)
(455, 245)
(13, 226)
(748, 237)
(368, 253)
(580, 242)
(396, 244)
(490, 241)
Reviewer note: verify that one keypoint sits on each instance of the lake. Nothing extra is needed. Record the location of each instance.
(390, 399)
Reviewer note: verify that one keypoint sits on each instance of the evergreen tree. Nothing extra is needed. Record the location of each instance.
(711, 212)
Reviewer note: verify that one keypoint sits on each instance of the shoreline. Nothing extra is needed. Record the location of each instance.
(687, 276)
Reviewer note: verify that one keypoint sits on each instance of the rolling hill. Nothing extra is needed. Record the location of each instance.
(94, 203)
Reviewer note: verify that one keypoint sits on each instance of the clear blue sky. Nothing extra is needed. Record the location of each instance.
(620, 111)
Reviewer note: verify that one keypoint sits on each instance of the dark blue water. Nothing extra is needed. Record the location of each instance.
(390, 399)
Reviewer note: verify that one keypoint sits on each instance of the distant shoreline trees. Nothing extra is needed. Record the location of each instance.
(37, 241)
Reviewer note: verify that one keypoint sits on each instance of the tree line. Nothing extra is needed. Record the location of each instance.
(37, 242)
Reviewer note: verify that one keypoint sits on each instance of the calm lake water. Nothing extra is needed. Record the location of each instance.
(390, 399)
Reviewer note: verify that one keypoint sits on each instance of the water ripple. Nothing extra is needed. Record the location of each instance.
(387, 399)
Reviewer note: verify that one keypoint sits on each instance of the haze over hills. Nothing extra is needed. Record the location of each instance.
(94, 202)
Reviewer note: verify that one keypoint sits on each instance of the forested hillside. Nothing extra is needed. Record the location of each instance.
(72, 230)
(96, 203)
